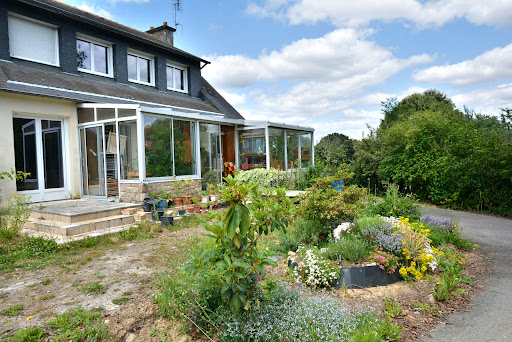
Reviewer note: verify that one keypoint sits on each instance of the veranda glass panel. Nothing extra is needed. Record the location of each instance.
(292, 147)
(157, 139)
(305, 145)
(128, 150)
(276, 146)
(184, 147)
(252, 149)
(209, 135)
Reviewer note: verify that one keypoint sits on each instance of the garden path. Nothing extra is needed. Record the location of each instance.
(489, 317)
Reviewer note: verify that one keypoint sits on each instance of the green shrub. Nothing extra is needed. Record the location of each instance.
(299, 232)
(267, 179)
(14, 217)
(396, 204)
(350, 247)
(328, 207)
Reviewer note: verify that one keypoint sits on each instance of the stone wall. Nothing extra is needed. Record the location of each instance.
(136, 192)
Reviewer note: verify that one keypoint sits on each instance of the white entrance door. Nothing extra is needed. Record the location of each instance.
(38, 147)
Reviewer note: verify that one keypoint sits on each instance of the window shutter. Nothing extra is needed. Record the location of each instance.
(33, 41)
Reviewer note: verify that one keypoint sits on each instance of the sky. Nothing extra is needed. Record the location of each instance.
(329, 64)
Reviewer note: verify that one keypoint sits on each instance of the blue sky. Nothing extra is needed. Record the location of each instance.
(330, 63)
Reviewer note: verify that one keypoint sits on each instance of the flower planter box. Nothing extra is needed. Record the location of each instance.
(167, 220)
(361, 277)
(148, 203)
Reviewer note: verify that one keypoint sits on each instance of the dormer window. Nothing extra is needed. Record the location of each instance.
(177, 77)
(141, 68)
(33, 40)
(94, 56)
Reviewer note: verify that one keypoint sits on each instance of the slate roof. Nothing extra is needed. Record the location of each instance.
(35, 80)
(106, 24)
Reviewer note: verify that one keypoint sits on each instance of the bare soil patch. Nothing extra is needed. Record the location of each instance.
(128, 270)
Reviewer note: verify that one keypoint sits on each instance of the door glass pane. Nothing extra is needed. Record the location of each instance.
(128, 150)
(25, 152)
(95, 162)
(83, 161)
(210, 154)
(184, 158)
(52, 154)
(111, 160)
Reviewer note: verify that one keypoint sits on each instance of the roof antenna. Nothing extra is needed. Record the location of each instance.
(178, 7)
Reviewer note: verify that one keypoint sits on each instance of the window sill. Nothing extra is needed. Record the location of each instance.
(86, 71)
(178, 90)
(143, 83)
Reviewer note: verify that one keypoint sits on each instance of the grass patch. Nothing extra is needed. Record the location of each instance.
(47, 281)
(92, 288)
(120, 300)
(14, 310)
(80, 325)
(31, 334)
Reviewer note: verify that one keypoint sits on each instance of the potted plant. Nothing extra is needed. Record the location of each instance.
(182, 212)
(148, 203)
(205, 197)
(186, 199)
(168, 218)
(178, 201)
(204, 206)
(197, 206)
(161, 198)
(157, 213)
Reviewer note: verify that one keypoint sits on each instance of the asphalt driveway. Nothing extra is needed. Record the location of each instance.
(490, 316)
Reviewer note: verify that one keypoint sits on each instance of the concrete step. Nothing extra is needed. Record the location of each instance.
(52, 226)
(78, 216)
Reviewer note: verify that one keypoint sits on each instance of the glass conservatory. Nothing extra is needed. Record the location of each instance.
(123, 144)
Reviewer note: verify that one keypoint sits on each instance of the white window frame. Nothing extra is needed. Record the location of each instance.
(151, 67)
(183, 68)
(110, 55)
(35, 21)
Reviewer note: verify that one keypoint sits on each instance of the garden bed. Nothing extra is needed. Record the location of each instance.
(360, 276)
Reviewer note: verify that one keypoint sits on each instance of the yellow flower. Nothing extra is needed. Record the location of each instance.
(403, 271)
(413, 263)
(29, 318)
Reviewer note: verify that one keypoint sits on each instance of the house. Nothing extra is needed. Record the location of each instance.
(92, 108)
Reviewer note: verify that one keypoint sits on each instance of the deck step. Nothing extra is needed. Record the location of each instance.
(52, 226)
(71, 216)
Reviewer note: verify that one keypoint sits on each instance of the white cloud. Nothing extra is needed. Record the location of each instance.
(233, 98)
(95, 10)
(431, 13)
(487, 101)
(341, 56)
(490, 66)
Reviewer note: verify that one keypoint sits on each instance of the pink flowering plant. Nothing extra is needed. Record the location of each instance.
(386, 261)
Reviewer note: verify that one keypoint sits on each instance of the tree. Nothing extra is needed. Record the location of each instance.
(333, 151)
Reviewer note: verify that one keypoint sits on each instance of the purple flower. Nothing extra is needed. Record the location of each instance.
(441, 222)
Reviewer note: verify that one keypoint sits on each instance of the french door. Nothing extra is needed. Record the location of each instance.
(38, 148)
(99, 160)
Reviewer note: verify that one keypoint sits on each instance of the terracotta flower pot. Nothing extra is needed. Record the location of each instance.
(178, 202)
(197, 208)
(186, 199)
(190, 210)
